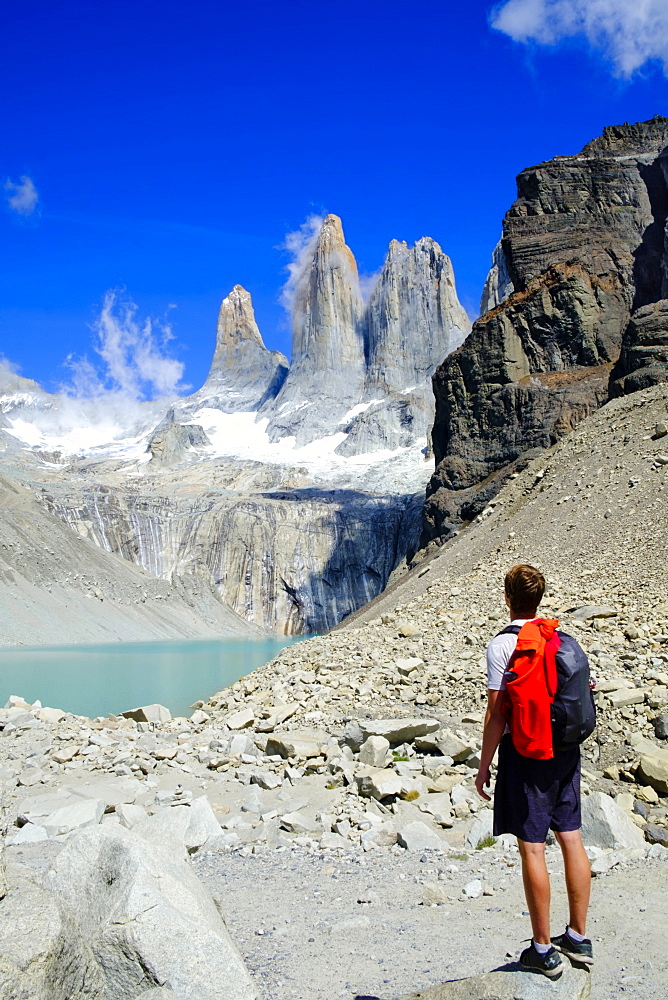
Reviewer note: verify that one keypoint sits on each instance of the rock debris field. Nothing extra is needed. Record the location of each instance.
(327, 801)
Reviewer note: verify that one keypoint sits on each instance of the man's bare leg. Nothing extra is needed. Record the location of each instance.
(536, 889)
(578, 878)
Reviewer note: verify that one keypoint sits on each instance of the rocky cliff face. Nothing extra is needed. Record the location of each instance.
(583, 250)
(291, 560)
(644, 357)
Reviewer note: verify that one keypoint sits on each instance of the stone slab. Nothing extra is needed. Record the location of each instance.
(512, 983)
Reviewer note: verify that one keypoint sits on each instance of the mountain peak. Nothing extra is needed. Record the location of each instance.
(236, 321)
(243, 373)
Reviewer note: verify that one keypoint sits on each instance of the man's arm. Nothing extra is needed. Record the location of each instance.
(495, 725)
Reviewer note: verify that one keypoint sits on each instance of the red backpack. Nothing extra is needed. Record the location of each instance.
(531, 684)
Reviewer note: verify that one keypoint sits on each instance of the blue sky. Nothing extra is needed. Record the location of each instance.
(167, 149)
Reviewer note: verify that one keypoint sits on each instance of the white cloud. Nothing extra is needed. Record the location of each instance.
(629, 33)
(136, 363)
(300, 244)
(368, 282)
(22, 198)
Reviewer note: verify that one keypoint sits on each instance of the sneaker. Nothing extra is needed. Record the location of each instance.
(549, 964)
(578, 951)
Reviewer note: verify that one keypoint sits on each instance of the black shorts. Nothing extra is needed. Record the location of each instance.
(534, 796)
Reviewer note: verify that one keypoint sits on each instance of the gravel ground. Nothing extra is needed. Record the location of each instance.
(316, 927)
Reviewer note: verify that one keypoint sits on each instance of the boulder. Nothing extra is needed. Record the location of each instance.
(374, 751)
(185, 827)
(298, 822)
(660, 724)
(583, 614)
(50, 715)
(378, 783)
(451, 746)
(28, 834)
(510, 983)
(130, 815)
(656, 834)
(43, 955)
(604, 824)
(85, 812)
(241, 720)
(482, 828)
(439, 806)
(434, 894)
(148, 713)
(149, 918)
(654, 770)
(303, 743)
(398, 730)
(624, 697)
(417, 836)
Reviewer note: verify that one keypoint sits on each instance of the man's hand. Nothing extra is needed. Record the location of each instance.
(482, 781)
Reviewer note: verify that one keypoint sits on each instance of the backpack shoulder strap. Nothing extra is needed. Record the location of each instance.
(510, 630)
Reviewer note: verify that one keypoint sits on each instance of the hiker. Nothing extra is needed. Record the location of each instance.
(540, 791)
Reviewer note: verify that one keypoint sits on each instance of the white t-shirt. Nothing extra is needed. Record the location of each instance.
(499, 651)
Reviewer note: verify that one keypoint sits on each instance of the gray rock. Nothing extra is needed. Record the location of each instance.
(43, 955)
(85, 812)
(298, 822)
(451, 746)
(28, 834)
(150, 919)
(398, 730)
(626, 696)
(266, 779)
(241, 719)
(374, 751)
(130, 815)
(378, 783)
(473, 889)
(573, 984)
(173, 442)
(660, 724)
(328, 368)
(656, 834)
(654, 770)
(644, 356)
(149, 713)
(417, 836)
(604, 824)
(302, 743)
(482, 828)
(439, 806)
(593, 611)
(185, 828)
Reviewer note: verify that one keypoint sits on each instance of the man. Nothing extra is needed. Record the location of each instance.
(533, 796)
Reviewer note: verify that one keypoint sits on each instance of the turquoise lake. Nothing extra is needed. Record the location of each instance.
(97, 679)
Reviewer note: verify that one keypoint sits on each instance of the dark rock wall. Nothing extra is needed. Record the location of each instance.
(584, 249)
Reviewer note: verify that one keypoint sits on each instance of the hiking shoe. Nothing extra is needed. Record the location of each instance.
(549, 964)
(578, 951)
